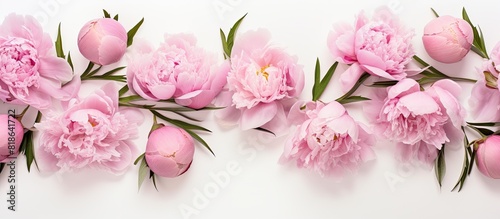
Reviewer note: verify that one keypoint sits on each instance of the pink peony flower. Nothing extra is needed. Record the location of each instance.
(418, 119)
(261, 81)
(30, 72)
(380, 46)
(92, 132)
(447, 39)
(169, 151)
(485, 98)
(178, 69)
(488, 157)
(103, 41)
(12, 136)
(328, 140)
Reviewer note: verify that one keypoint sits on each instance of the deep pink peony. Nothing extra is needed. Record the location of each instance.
(418, 119)
(30, 72)
(488, 157)
(12, 132)
(448, 39)
(261, 80)
(169, 151)
(485, 98)
(328, 140)
(380, 46)
(178, 69)
(91, 132)
(103, 41)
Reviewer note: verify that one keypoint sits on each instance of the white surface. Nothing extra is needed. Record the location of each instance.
(259, 187)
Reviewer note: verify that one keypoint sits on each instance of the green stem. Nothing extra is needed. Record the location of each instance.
(355, 87)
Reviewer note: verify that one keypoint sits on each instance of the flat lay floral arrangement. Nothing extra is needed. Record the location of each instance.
(253, 84)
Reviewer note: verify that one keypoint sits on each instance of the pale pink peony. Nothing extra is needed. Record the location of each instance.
(169, 151)
(103, 41)
(91, 132)
(30, 72)
(447, 39)
(485, 97)
(12, 136)
(263, 78)
(380, 46)
(488, 157)
(418, 119)
(328, 140)
(178, 69)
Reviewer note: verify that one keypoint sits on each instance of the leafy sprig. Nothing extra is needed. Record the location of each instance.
(228, 43)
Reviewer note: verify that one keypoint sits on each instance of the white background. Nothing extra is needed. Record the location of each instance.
(260, 187)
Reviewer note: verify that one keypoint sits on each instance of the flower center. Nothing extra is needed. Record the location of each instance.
(263, 72)
(19, 64)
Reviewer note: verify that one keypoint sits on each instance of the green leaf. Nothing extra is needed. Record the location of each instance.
(484, 123)
(264, 130)
(432, 69)
(106, 14)
(119, 78)
(115, 17)
(27, 148)
(130, 98)
(434, 12)
(232, 33)
(88, 69)
(353, 99)
(485, 132)
(123, 90)
(92, 73)
(354, 88)
(1, 167)
(70, 62)
(199, 139)
(139, 158)
(153, 177)
(59, 47)
(227, 52)
(383, 84)
(465, 166)
(440, 166)
(186, 116)
(113, 71)
(184, 125)
(483, 45)
(326, 80)
(131, 33)
(143, 172)
(317, 78)
(472, 159)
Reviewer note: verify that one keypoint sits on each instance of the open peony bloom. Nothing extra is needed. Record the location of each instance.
(448, 39)
(103, 41)
(488, 157)
(419, 120)
(261, 80)
(327, 140)
(178, 69)
(90, 133)
(485, 97)
(9, 146)
(380, 46)
(30, 72)
(169, 151)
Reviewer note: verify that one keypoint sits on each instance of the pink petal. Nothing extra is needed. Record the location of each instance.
(196, 99)
(251, 41)
(349, 78)
(55, 68)
(332, 110)
(162, 166)
(162, 92)
(402, 88)
(419, 103)
(370, 59)
(229, 115)
(279, 124)
(258, 115)
(450, 86)
(453, 108)
(111, 50)
(220, 77)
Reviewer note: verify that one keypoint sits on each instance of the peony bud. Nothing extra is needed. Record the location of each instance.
(488, 157)
(103, 41)
(169, 151)
(12, 135)
(447, 39)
